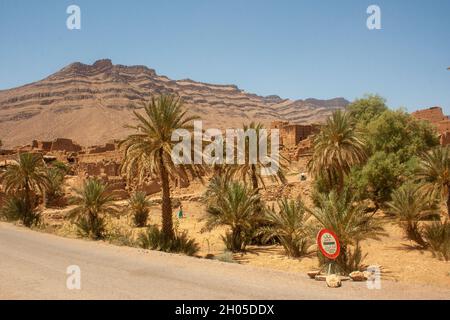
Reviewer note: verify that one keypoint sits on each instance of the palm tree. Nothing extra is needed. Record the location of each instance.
(336, 148)
(93, 203)
(252, 172)
(434, 170)
(350, 221)
(54, 190)
(140, 206)
(290, 226)
(410, 206)
(148, 151)
(25, 178)
(234, 207)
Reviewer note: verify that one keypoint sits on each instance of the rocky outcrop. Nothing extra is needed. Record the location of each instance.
(91, 104)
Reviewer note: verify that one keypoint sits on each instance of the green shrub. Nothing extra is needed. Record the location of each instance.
(153, 238)
(140, 208)
(437, 235)
(411, 205)
(350, 221)
(93, 203)
(16, 208)
(235, 206)
(289, 226)
(54, 190)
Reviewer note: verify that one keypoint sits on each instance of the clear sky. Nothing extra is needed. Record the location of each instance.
(295, 49)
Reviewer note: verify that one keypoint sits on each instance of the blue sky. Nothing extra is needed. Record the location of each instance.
(295, 49)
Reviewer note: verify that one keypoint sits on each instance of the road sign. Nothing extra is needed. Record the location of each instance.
(328, 244)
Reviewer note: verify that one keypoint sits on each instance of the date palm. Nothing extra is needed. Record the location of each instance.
(93, 203)
(290, 225)
(350, 221)
(253, 172)
(410, 205)
(336, 148)
(25, 178)
(148, 151)
(434, 170)
(234, 206)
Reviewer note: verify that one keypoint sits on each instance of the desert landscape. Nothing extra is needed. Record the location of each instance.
(68, 168)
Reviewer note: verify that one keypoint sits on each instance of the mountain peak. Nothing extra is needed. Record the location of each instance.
(91, 103)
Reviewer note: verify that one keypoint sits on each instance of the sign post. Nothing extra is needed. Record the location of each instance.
(329, 246)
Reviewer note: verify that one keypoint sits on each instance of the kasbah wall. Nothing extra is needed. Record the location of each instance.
(435, 116)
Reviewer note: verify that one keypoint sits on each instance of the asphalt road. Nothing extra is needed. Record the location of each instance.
(33, 265)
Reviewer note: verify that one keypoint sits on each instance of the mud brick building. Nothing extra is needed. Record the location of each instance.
(292, 134)
(435, 116)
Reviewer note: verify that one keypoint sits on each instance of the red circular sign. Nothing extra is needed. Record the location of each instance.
(328, 244)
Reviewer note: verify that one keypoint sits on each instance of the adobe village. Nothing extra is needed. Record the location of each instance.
(376, 176)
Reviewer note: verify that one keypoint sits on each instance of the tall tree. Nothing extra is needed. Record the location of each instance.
(434, 170)
(336, 148)
(148, 152)
(252, 172)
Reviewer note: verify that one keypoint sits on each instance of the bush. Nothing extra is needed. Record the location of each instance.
(54, 190)
(289, 226)
(93, 203)
(16, 208)
(235, 206)
(437, 236)
(411, 205)
(140, 208)
(91, 227)
(153, 238)
(350, 221)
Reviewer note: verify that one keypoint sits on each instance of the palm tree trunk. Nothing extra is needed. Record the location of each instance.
(448, 202)
(254, 178)
(167, 223)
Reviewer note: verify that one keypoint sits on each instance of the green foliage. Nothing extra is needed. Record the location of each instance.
(411, 205)
(398, 132)
(140, 208)
(155, 239)
(289, 225)
(367, 109)
(54, 191)
(394, 139)
(337, 148)
(61, 166)
(383, 173)
(16, 208)
(252, 173)
(22, 182)
(148, 151)
(349, 220)
(93, 203)
(434, 172)
(437, 236)
(234, 206)
(28, 175)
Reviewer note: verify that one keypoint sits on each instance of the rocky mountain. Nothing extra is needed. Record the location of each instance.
(92, 103)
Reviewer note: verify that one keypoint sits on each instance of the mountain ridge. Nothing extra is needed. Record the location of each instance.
(92, 103)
